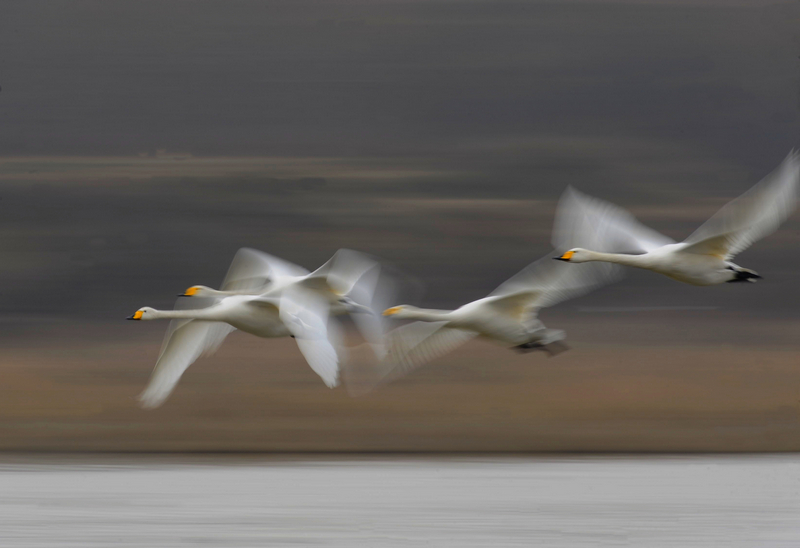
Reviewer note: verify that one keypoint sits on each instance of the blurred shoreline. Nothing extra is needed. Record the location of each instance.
(258, 396)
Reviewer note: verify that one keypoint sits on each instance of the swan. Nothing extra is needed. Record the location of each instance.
(509, 315)
(705, 257)
(341, 304)
(352, 282)
(266, 297)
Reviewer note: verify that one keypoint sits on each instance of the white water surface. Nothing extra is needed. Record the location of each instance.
(719, 501)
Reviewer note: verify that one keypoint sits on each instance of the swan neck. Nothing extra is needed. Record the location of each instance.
(222, 293)
(428, 315)
(198, 314)
(618, 258)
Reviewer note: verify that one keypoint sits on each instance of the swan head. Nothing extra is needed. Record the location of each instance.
(402, 312)
(144, 313)
(575, 255)
(198, 291)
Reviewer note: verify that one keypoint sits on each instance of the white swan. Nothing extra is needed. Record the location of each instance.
(352, 282)
(507, 316)
(294, 303)
(704, 258)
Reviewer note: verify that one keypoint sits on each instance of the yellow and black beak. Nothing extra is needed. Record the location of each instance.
(189, 292)
(565, 257)
(393, 310)
(136, 316)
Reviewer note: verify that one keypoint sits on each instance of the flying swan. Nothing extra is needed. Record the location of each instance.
(267, 297)
(508, 316)
(705, 257)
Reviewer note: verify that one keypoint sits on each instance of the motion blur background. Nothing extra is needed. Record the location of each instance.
(142, 143)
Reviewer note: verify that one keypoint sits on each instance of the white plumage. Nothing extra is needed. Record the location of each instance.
(704, 258)
(267, 297)
(508, 316)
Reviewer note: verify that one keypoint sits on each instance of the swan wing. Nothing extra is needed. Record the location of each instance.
(341, 272)
(251, 270)
(186, 341)
(517, 305)
(547, 282)
(305, 315)
(412, 345)
(590, 223)
(374, 292)
(754, 215)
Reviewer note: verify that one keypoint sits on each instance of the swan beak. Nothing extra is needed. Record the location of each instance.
(565, 257)
(189, 292)
(136, 316)
(393, 310)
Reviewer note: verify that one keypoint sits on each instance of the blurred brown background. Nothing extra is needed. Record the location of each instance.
(142, 143)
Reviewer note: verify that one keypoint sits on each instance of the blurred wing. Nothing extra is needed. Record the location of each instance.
(251, 270)
(375, 291)
(547, 282)
(752, 216)
(417, 343)
(589, 223)
(341, 272)
(195, 303)
(185, 343)
(306, 317)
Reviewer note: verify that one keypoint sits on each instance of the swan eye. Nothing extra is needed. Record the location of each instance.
(393, 310)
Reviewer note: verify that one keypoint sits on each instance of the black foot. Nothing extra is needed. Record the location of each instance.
(552, 349)
(528, 347)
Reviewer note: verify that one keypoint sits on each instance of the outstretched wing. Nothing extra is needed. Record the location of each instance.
(341, 272)
(251, 270)
(547, 282)
(305, 315)
(186, 340)
(408, 347)
(752, 216)
(374, 292)
(590, 223)
(414, 344)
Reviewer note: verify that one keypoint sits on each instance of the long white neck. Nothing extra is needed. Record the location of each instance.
(199, 314)
(639, 261)
(208, 292)
(221, 293)
(427, 315)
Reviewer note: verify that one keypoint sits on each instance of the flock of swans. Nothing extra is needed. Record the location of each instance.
(269, 297)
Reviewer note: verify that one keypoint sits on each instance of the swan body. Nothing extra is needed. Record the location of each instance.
(673, 261)
(195, 333)
(266, 297)
(248, 313)
(485, 318)
(706, 257)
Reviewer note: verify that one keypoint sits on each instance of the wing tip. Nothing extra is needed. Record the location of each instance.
(150, 400)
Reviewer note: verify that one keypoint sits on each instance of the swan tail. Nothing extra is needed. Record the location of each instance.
(744, 275)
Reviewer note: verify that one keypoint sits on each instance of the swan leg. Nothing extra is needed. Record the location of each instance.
(551, 349)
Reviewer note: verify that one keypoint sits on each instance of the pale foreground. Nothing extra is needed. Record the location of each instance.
(731, 501)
